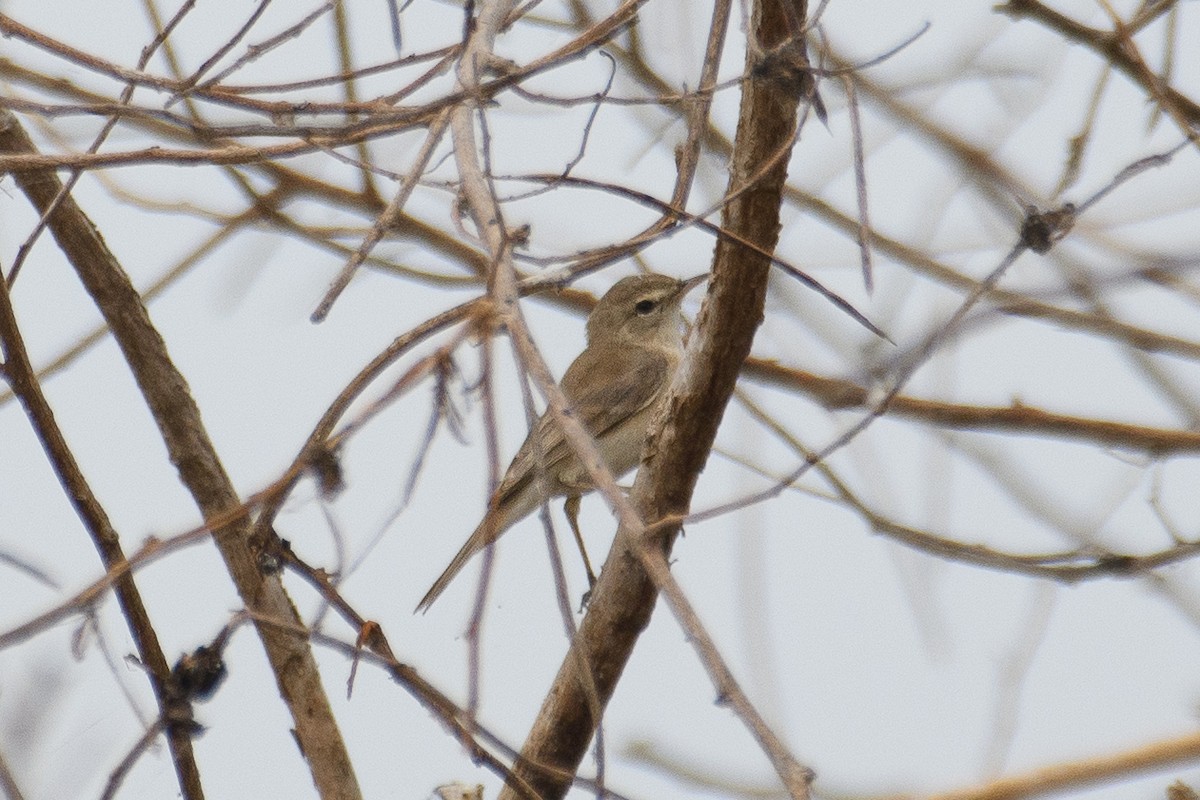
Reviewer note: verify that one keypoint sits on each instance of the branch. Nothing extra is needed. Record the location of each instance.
(1116, 48)
(1077, 775)
(840, 393)
(20, 375)
(192, 452)
(625, 595)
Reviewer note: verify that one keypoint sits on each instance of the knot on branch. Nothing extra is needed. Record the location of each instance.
(326, 468)
(1041, 230)
(787, 66)
(195, 676)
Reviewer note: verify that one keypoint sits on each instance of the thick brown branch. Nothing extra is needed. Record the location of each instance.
(25, 385)
(175, 412)
(625, 596)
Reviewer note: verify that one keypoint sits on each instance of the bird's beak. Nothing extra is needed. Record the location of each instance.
(686, 286)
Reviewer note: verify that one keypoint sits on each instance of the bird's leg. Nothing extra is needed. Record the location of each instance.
(571, 508)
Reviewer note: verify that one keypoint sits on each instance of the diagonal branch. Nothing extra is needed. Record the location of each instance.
(625, 596)
(175, 412)
(19, 373)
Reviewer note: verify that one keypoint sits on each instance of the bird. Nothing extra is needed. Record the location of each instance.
(634, 345)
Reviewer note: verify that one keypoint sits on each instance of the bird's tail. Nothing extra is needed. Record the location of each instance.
(488, 531)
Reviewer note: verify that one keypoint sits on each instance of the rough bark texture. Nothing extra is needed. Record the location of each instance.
(624, 597)
(192, 452)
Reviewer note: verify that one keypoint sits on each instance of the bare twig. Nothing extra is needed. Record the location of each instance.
(1075, 775)
(387, 220)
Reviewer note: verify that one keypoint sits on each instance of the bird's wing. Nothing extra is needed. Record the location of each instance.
(633, 378)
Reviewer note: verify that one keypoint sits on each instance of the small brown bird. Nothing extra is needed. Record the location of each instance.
(634, 344)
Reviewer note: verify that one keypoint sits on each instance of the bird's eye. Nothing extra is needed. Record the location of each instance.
(644, 307)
